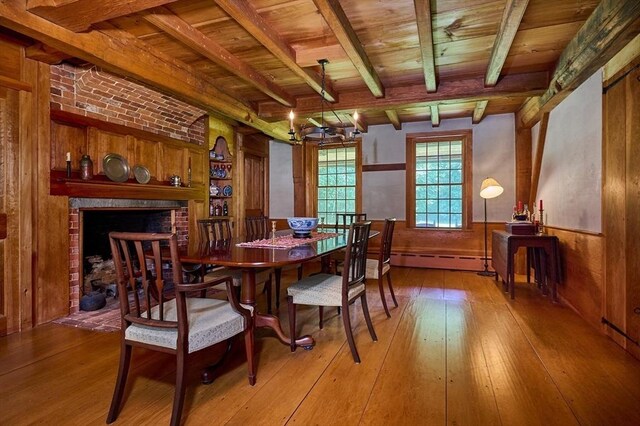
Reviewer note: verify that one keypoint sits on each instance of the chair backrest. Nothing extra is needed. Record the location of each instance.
(138, 259)
(214, 230)
(355, 260)
(257, 226)
(343, 220)
(385, 244)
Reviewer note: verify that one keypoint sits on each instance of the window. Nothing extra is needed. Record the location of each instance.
(337, 181)
(438, 177)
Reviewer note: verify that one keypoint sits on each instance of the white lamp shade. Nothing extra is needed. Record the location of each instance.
(490, 188)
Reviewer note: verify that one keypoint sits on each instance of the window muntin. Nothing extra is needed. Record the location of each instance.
(337, 179)
(438, 184)
(439, 180)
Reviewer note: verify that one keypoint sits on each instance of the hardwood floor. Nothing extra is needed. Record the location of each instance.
(456, 351)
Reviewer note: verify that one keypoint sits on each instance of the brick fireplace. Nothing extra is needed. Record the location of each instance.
(93, 218)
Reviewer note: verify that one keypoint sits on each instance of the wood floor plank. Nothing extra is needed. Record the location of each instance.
(525, 393)
(598, 378)
(342, 392)
(456, 351)
(410, 388)
(470, 396)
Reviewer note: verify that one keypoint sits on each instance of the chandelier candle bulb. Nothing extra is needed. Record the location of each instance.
(291, 116)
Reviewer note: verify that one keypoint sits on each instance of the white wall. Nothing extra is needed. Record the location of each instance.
(571, 175)
(384, 192)
(280, 180)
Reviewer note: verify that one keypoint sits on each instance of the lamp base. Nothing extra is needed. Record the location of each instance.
(487, 274)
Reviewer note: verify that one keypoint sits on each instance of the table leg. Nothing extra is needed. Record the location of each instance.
(511, 280)
(248, 297)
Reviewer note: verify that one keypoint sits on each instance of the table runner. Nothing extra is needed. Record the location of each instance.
(287, 241)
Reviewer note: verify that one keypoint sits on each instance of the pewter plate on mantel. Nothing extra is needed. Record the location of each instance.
(141, 173)
(115, 167)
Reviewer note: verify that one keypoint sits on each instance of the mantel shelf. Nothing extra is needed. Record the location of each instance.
(99, 187)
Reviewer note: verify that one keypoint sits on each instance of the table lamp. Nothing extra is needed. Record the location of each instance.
(490, 188)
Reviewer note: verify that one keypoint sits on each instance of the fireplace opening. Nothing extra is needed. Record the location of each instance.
(97, 264)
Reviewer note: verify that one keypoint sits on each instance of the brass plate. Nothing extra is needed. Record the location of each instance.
(115, 167)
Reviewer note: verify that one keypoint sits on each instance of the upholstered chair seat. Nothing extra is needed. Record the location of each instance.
(321, 290)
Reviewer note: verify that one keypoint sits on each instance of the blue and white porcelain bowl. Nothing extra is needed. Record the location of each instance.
(302, 226)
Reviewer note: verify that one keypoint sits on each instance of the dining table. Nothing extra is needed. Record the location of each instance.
(232, 253)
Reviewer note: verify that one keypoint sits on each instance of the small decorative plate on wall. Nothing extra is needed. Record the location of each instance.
(227, 191)
(115, 167)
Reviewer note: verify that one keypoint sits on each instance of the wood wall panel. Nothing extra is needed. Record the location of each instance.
(70, 139)
(199, 168)
(582, 267)
(102, 143)
(174, 162)
(145, 153)
(9, 66)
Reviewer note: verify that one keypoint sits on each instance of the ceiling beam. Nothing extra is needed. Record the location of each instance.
(194, 39)
(133, 58)
(511, 18)
(612, 24)
(43, 53)
(252, 22)
(425, 34)
(393, 117)
(537, 161)
(78, 15)
(478, 111)
(435, 115)
(339, 23)
(449, 92)
(346, 117)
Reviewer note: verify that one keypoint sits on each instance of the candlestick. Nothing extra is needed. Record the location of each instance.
(540, 205)
(291, 119)
(68, 167)
(273, 232)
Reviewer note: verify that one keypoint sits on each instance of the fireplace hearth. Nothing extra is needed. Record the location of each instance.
(90, 222)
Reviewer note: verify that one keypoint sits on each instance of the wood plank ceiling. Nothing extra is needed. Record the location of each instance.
(394, 61)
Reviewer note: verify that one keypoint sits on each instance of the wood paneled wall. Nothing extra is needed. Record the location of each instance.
(621, 203)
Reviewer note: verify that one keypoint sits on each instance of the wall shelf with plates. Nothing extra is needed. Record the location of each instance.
(220, 181)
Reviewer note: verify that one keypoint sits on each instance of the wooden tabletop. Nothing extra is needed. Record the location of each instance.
(229, 254)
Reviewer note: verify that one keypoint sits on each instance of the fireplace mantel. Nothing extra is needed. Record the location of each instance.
(100, 187)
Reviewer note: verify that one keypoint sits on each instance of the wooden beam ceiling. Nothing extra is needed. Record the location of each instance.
(393, 117)
(537, 160)
(511, 18)
(425, 34)
(339, 23)
(435, 115)
(43, 53)
(478, 111)
(449, 92)
(194, 39)
(611, 25)
(79, 15)
(131, 57)
(253, 23)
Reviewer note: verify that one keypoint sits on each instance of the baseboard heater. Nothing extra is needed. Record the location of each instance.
(439, 261)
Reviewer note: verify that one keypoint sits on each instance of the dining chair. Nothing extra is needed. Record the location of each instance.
(218, 232)
(258, 228)
(332, 290)
(343, 220)
(378, 268)
(180, 324)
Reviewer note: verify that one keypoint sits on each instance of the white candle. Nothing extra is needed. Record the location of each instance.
(68, 156)
(291, 119)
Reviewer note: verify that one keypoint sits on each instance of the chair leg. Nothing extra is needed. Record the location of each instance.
(367, 317)
(278, 272)
(346, 320)
(393, 295)
(249, 346)
(292, 322)
(181, 386)
(121, 381)
(299, 272)
(382, 297)
(321, 316)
